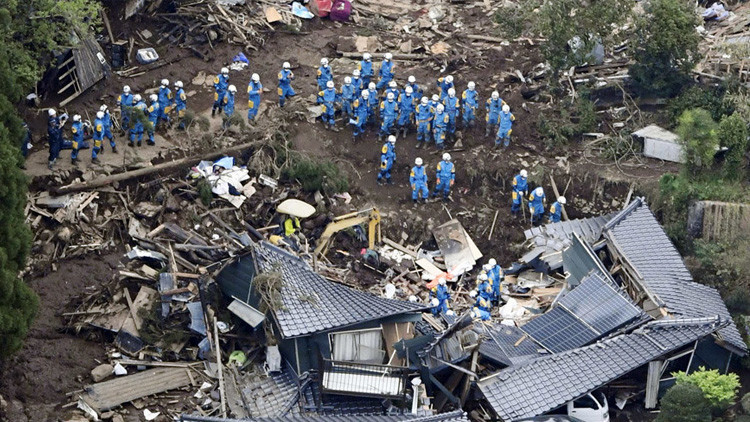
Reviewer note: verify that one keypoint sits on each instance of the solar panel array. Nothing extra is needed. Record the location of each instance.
(586, 313)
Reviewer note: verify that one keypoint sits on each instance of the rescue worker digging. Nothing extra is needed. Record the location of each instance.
(520, 190)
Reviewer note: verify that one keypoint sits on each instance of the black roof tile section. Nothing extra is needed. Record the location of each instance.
(455, 416)
(639, 238)
(310, 303)
(555, 237)
(502, 345)
(558, 378)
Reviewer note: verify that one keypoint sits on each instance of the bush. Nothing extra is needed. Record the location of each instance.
(720, 390)
(684, 403)
(317, 175)
(560, 126)
(710, 99)
(699, 134)
(511, 20)
(733, 135)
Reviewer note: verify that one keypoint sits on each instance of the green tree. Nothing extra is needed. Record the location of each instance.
(699, 134)
(666, 46)
(684, 403)
(733, 135)
(719, 389)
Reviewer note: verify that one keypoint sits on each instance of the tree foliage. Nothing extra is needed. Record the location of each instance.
(733, 135)
(684, 403)
(699, 134)
(719, 389)
(667, 46)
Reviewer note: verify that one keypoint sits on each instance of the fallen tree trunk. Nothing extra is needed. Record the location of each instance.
(119, 177)
(396, 56)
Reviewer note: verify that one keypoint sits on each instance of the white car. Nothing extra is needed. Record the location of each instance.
(592, 407)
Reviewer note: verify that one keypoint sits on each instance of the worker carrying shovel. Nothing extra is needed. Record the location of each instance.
(290, 212)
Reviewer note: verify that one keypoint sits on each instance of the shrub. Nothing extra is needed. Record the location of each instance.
(684, 403)
(699, 134)
(317, 175)
(720, 390)
(733, 135)
(710, 99)
(560, 126)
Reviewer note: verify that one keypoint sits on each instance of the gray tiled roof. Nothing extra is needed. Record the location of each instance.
(272, 395)
(558, 378)
(554, 237)
(455, 416)
(313, 304)
(506, 345)
(637, 235)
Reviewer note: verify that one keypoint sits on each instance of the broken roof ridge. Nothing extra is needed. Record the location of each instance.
(622, 215)
(716, 320)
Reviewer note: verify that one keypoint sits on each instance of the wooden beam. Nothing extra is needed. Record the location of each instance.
(106, 24)
(557, 195)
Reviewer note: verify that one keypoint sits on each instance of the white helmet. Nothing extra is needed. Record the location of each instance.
(449, 79)
(324, 62)
(347, 80)
(539, 191)
(425, 100)
(178, 84)
(412, 298)
(255, 77)
(562, 200)
(487, 267)
(506, 108)
(473, 293)
(392, 139)
(418, 161)
(449, 312)
(76, 117)
(286, 65)
(392, 84)
(224, 71)
(435, 97)
(440, 108)
(472, 85)
(524, 173)
(388, 56)
(367, 57)
(99, 114)
(371, 85)
(126, 89)
(412, 79)
(329, 84)
(452, 92)
(165, 82)
(409, 90)
(356, 73)
(365, 93)
(442, 281)
(51, 112)
(232, 88)
(390, 96)
(495, 95)
(483, 277)
(103, 107)
(446, 157)
(137, 97)
(435, 301)
(153, 97)
(492, 262)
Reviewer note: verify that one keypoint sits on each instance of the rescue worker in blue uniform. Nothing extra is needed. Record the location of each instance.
(229, 105)
(481, 312)
(285, 89)
(365, 69)
(165, 100)
(440, 125)
(357, 82)
(25, 143)
(55, 135)
(452, 109)
(495, 275)
(493, 107)
(153, 117)
(520, 190)
(388, 114)
(254, 88)
(348, 94)
(445, 84)
(434, 101)
(77, 130)
(125, 102)
(418, 181)
(537, 202)
(555, 210)
(139, 114)
(443, 296)
(373, 103)
(179, 103)
(361, 110)
(386, 71)
(406, 106)
(221, 83)
(393, 89)
(445, 174)
(412, 82)
(98, 137)
(327, 97)
(484, 288)
(506, 127)
(425, 113)
(108, 127)
(387, 158)
(470, 102)
(324, 75)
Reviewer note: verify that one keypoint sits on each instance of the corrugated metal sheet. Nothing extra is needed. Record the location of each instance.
(107, 395)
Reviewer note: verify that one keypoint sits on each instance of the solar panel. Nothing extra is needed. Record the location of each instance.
(597, 302)
(558, 330)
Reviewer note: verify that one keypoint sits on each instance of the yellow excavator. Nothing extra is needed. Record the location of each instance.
(371, 216)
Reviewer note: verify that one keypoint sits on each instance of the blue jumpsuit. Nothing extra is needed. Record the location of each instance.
(443, 295)
(54, 132)
(418, 182)
(165, 101)
(107, 120)
(484, 314)
(372, 105)
(366, 72)
(77, 130)
(452, 110)
(444, 87)
(520, 187)
(394, 91)
(424, 117)
(285, 86)
(439, 125)
(484, 291)
(536, 206)
(470, 102)
(228, 108)
(253, 99)
(555, 212)
(221, 83)
(327, 97)
(505, 129)
(388, 113)
(98, 138)
(387, 157)
(445, 175)
(406, 106)
(360, 116)
(137, 129)
(495, 276)
(348, 94)
(386, 73)
(415, 89)
(153, 117)
(324, 75)
(180, 104)
(358, 86)
(125, 101)
(493, 108)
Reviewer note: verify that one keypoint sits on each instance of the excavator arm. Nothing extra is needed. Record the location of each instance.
(371, 217)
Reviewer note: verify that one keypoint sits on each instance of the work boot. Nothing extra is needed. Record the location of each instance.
(380, 181)
(139, 143)
(50, 165)
(74, 162)
(114, 149)
(213, 112)
(151, 142)
(131, 144)
(389, 181)
(414, 200)
(95, 161)
(423, 200)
